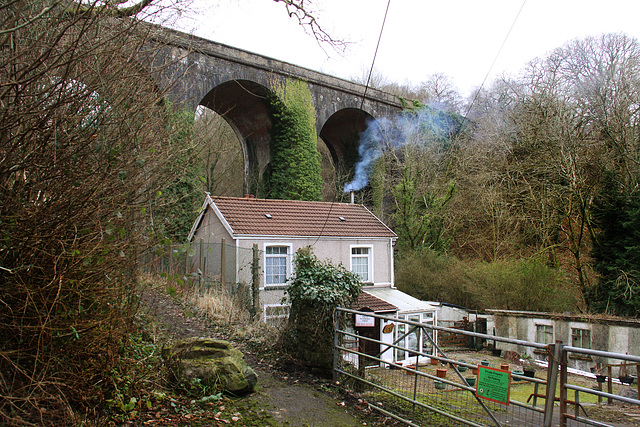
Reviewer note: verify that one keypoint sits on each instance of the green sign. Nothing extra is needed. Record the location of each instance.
(493, 384)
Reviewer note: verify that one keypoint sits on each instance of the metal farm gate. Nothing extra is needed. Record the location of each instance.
(477, 388)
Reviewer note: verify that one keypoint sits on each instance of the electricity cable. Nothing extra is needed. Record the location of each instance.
(364, 95)
(495, 59)
(375, 54)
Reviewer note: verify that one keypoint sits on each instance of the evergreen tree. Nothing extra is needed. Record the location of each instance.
(617, 253)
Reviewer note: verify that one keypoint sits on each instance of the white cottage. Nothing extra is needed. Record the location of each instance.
(342, 233)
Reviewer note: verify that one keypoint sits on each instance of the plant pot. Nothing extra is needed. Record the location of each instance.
(471, 381)
(441, 372)
(439, 385)
(504, 366)
(496, 352)
(434, 361)
(474, 371)
(520, 373)
(601, 378)
(626, 380)
(462, 368)
(410, 367)
(529, 373)
(485, 363)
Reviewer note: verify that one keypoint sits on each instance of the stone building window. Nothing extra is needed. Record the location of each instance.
(581, 338)
(544, 334)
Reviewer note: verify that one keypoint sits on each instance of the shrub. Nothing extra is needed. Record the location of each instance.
(527, 284)
(430, 276)
(83, 142)
(315, 291)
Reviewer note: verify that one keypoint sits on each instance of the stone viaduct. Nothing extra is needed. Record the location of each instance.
(194, 71)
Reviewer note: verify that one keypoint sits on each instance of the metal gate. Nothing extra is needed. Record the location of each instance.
(442, 387)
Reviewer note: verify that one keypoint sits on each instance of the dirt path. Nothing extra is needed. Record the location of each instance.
(291, 398)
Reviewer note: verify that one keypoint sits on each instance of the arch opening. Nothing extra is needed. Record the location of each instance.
(243, 105)
(341, 135)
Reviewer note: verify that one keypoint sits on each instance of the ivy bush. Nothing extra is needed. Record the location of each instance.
(295, 172)
(315, 291)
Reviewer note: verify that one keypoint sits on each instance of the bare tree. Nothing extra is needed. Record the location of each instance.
(372, 77)
(82, 141)
(439, 91)
(553, 132)
(84, 145)
(304, 12)
(220, 154)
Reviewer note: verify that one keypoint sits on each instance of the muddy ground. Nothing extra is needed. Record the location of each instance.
(286, 395)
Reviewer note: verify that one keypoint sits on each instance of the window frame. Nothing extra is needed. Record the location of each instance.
(546, 333)
(288, 263)
(369, 258)
(423, 343)
(581, 337)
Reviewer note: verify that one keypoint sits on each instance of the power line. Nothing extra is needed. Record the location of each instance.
(375, 54)
(364, 94)
(495, 59)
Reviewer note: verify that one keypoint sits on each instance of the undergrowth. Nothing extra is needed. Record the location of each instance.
(144, 390)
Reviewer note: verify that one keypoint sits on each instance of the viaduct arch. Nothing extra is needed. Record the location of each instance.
(194, 71)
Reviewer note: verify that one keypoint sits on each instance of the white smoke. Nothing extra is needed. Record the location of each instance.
(424, 126)
(369, 150)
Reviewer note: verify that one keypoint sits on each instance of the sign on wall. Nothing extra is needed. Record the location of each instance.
(363, 321)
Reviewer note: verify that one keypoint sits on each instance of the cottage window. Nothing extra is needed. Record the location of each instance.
(581, 338)
(544, 334)
(277, 265)
(361, 262)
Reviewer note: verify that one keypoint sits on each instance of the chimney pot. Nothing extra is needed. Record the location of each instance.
(352, 195)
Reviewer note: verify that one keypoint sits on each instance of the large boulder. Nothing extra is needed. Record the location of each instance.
(214, 362)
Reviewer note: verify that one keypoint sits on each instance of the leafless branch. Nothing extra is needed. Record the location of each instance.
(301, 11)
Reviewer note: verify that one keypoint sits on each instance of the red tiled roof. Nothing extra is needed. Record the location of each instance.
(366, 300)
(268, 217)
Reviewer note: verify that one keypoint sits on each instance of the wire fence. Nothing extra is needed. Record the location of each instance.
(452, 386)
(206, 266)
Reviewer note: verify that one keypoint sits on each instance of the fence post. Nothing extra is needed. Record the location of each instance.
(255, 285)
(563, 389)
(223, 264)
(336, 343)
(610, 384)
(552, 381)
(187, 270)
(203, 273)
(638, 379)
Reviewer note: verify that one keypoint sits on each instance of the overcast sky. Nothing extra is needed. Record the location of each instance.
(459, 38)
